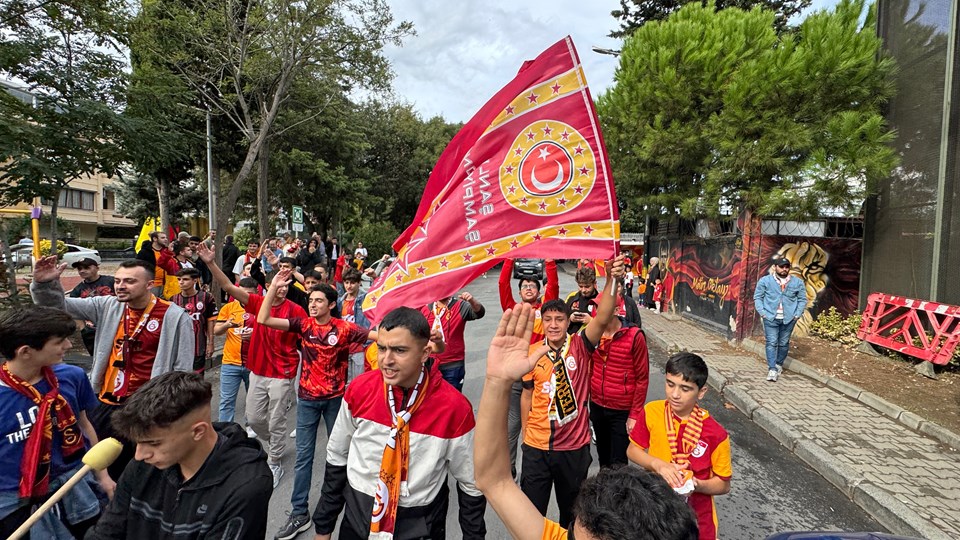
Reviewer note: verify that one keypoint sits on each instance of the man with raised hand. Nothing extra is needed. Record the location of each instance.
(139, 336)
(272, 361)
(556, 439)
(615, 504)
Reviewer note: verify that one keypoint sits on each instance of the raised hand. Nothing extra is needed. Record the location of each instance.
(282, 278)
(615, 267)
(509, 355)
(466, 297)
(47, 269)
(206, 254)
(271, 257)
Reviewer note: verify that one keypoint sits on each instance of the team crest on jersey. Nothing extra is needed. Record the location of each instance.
(700, 449)
(119, 381)
(199, 306)
(571, 363)
(549, 170)
(246, 316)
(332, 340)
(152, 325)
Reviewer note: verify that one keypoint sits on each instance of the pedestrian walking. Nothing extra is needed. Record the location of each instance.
(237, 324)
(780, 299)
(449, 317)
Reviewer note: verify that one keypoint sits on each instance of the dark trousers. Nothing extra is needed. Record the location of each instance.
(100, 418)
(610, 427)
(562, 470)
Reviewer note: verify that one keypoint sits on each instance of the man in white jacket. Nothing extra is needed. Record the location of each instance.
(139, 336)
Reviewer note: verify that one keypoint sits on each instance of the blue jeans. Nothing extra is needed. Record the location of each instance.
(777, 333)
(308, 420)
(230, 378)
(454, 375)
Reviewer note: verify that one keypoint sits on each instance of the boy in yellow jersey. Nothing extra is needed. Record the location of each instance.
(617, 503)
(681, 442)
(238, 325)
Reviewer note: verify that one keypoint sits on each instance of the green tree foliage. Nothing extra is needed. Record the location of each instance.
(635, 13)
(713, 112)
(66, 125)
(138, 198)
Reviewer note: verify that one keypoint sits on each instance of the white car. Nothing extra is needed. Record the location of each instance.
(23, 252)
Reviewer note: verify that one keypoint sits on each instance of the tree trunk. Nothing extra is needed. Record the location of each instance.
(10, 272)
(263, 203)
(54, 206)
(163, 195)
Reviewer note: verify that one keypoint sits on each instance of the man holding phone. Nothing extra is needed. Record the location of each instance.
(583, 302)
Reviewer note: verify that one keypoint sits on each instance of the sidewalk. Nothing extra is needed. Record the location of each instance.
(908, 481)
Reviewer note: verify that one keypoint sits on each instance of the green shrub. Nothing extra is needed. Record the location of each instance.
(832, 325)
(45, 248)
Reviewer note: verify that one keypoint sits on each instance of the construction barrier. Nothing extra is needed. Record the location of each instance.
(926, 330)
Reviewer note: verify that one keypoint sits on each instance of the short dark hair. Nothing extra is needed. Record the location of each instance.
(289, 260)
(630, 502)
(327, 291)
(154, 234)
(409, 318)
(689, 366)
(32, 326)
(528, 280)
(160, 402)
(189, 272)
(556, 305)
(312, 274)
(253, 242)
(139, 263)
(351, 274)
(194, 239)
(585, 274)
(248, 283)
(178, 247)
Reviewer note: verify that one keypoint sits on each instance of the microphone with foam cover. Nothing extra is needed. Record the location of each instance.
(97, 458)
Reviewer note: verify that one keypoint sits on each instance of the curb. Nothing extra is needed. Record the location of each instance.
(881, 505)
(890, 410)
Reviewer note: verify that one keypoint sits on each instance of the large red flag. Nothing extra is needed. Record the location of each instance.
(527, 176)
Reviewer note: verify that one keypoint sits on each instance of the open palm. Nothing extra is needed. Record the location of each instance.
(47, 269)
(509, 355)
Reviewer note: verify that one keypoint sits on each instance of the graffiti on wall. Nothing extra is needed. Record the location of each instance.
(829, 268)
(702, 277)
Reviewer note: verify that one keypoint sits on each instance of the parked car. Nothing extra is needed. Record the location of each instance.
(528, 268)
(23, 252)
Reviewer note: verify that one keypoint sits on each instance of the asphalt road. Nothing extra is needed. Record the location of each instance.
(772, 490)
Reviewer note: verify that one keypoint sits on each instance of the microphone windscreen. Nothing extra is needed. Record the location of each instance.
(103, 454)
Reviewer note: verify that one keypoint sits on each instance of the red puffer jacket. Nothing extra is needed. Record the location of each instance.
(621, 367)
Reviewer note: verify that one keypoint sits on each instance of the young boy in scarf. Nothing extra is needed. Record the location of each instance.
(399, 433)
(44, 423)
(681, 442)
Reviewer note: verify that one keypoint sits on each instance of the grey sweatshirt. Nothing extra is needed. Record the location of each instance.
(174, 352)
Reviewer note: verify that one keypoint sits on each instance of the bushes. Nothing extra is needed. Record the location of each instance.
(832, 325)
(45, 248)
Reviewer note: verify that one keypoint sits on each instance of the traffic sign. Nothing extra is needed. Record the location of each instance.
(298, 216)
(298, 227)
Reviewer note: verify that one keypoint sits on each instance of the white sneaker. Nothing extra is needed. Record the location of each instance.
(772, 375)
(779, 370)
(293, 434)
(251, 433)
(277, 470)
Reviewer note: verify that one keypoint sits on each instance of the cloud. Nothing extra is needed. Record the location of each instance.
(466, 50)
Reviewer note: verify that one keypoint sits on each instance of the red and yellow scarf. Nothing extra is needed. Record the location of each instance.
(691, 434)
(53, 410)
(394, 467)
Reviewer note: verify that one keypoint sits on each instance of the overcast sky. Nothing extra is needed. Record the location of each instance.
(466, 50)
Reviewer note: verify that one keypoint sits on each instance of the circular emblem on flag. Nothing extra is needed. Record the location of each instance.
(332, 340)
(550, 169)
(571, 363)
(153, 325)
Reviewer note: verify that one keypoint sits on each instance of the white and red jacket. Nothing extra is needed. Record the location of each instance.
(441, 443)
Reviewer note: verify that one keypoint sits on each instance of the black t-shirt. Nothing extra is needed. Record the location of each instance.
(102, 286)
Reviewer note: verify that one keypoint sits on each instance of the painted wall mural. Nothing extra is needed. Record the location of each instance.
(702, 277)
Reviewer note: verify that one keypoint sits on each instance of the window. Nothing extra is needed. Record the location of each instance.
(74, 198)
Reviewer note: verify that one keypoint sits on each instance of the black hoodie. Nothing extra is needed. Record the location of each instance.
(226, 500)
